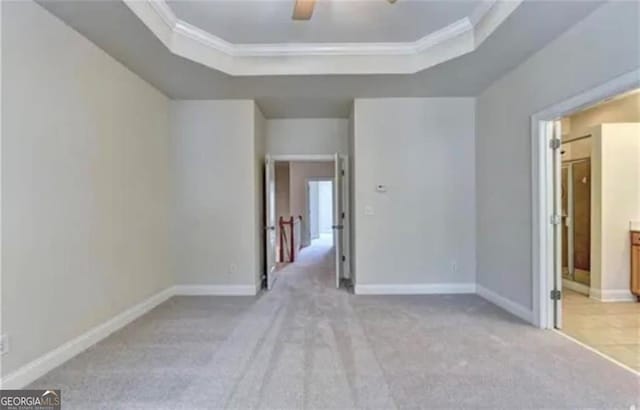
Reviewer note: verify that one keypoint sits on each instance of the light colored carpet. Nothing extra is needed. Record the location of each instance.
(307, 345)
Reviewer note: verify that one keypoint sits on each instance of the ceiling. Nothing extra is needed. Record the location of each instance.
(345, 37)
(261, 21)
(113, 27)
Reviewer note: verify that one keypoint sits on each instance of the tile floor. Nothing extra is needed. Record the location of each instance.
(611, 328)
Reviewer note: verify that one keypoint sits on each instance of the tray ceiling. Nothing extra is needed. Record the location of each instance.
(373, 21)
(258, 37)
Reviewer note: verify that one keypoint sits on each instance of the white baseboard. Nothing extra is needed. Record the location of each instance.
(576, 287)
(415, 289)
(218, 290)
(49, 361)
(506, 304)
(612, 295)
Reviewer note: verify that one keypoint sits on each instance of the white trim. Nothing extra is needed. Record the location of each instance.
(217, 290)
(345, 194)
(575, 286)
(599, 353)
(47, 362)
(542, 232)
(612, 295)
(415, 289)
(189, 41)
(510, 306)
(303, 157)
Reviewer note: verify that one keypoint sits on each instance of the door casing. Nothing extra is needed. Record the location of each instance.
(543, 234)
(345, 196)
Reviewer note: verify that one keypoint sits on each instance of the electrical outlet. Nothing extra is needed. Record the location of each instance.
(4, 344)
(454, 267)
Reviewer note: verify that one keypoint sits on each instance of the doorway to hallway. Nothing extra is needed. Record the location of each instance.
(320, 210)
(306, 208)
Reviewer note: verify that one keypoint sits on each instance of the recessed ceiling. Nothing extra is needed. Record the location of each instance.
(532, 26)
(251, 38)
(333, 21)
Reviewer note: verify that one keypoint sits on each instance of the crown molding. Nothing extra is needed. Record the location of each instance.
(191, 42)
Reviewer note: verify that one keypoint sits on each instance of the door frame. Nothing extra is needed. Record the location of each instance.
(346, 234)
(543, 242)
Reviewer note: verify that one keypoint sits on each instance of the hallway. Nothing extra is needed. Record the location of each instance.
(306, 344)
(313, 269)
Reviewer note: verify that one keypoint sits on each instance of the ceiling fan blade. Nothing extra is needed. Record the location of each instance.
(303, 9)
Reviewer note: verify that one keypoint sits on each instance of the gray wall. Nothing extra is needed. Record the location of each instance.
(85, 185)
(306, 136)
(423, 150)
(215, 169)
(601, 47)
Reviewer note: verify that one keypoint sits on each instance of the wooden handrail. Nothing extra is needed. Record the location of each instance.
(289, 242)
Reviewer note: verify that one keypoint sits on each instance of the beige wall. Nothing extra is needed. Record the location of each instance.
(85, 185)
(299, 174)
(282, 189)
(615, 202)
(577, 149)
(624, 109)
(580, 124)
(282, 198)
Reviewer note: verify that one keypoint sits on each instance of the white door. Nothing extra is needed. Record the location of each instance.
(270, 220)
(556, 294)
(338, 218)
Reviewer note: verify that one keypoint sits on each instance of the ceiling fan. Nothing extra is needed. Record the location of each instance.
(303, 9)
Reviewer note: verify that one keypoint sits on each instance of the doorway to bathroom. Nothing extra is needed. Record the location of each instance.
(587, 165)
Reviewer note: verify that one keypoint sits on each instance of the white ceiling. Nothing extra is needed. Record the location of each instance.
(269, 21)
(326, 44)
(113, 27)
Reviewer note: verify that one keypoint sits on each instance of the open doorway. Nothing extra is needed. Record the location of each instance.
(306, 207)
(586, 265)
(320, 211)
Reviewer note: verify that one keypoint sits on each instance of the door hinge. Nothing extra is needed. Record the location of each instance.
(343, 215)
(342, 172)
(555, 294)
(344, 258)
(555, 219)
(555, 143)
